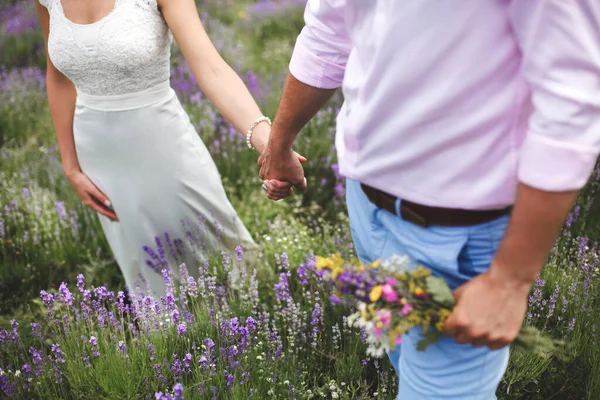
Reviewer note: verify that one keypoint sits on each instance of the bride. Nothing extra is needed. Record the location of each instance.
(126, 143)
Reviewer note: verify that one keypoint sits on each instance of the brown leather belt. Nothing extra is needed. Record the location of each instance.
(425, 215)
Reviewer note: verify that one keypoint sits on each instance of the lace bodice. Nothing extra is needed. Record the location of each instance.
(131, 52)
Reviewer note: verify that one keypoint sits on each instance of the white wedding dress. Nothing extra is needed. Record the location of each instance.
(135, 141)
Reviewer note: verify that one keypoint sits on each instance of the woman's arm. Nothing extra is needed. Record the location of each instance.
(61, 99)
(218, 81)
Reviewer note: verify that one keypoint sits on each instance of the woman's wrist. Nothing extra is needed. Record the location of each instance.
(71, 170)
(260, 136)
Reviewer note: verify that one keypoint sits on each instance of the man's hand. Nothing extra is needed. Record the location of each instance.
(489, 311)
(281, 169)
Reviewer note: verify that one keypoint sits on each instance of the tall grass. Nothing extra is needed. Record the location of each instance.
(299, 346)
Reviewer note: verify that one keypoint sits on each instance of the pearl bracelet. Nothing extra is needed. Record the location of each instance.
(249, 134)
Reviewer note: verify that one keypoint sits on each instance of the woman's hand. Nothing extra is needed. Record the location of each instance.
(91, 195)
(275, 189)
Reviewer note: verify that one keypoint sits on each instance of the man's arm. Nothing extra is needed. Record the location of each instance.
(299, 103)
(560, 42)
(316, 71)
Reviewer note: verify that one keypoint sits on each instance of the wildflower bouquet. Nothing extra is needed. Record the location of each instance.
(391, 299)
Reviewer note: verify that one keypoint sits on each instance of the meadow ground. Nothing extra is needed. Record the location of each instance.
(279, 336)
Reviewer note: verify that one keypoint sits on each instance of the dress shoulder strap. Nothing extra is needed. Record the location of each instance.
(151, 5)
(46, 3)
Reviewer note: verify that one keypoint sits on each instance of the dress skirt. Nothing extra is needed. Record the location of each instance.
(143, 152)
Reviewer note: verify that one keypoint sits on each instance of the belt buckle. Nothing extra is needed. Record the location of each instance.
(412, 216)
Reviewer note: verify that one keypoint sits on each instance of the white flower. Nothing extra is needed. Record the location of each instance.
(286, 382)
(259, 358)
(18, 372)
(270, 392)
(334, 395)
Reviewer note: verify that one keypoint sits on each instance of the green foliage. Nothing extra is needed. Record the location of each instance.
(314, 222)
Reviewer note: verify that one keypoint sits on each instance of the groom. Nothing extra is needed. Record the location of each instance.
(467, 129)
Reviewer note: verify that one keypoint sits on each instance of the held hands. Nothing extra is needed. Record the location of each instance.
(280, 170)
(489, 310)
(91, 195)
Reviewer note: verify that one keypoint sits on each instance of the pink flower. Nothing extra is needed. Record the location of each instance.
(388, 293)
(407, 309)
(391, 281)
(377, 332)
(385, 316)
(398, 340)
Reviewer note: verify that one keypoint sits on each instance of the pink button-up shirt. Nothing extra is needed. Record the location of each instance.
(452, 103)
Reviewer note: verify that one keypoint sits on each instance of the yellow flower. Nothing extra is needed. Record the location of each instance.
(418, 291)
(335, 272)
(242, 14)
(420, 272)
(375, 264)
(323, 263)
(439, 326)
(414, 319)
(337, 260)
(375, 293)
(364, 315)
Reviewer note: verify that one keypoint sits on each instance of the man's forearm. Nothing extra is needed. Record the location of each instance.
(537, 220)
(299, 103)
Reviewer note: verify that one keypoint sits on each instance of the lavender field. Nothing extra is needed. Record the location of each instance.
(67, 330)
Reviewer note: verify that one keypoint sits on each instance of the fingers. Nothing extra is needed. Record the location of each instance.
(277, 190)
(94, 205)
(302, 185)
(93, 191)
(461, 329)
(301, 158)
(100, 202)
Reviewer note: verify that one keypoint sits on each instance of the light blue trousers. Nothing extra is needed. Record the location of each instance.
(446, 371)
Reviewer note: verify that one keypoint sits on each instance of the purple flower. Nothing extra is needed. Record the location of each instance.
(234, 325)
(122, 347)
(66, 296)
(151, 351)
(239, 253)
(80, 282)
(335, 300)
(282, 288)
(94, 343)
(178, 391)
(58, 354)
(60, 209)
(250, 324)
(47, 299)
(36, 330)
(187, 363)
(101, 293)
(181, 329)
(175, 316)
(302, 274)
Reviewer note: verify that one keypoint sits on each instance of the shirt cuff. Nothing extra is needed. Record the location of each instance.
(315, 71)
(555, 166)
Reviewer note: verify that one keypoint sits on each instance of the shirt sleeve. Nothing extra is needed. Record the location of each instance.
(323, 47)
(560, 42)
(45, 3)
